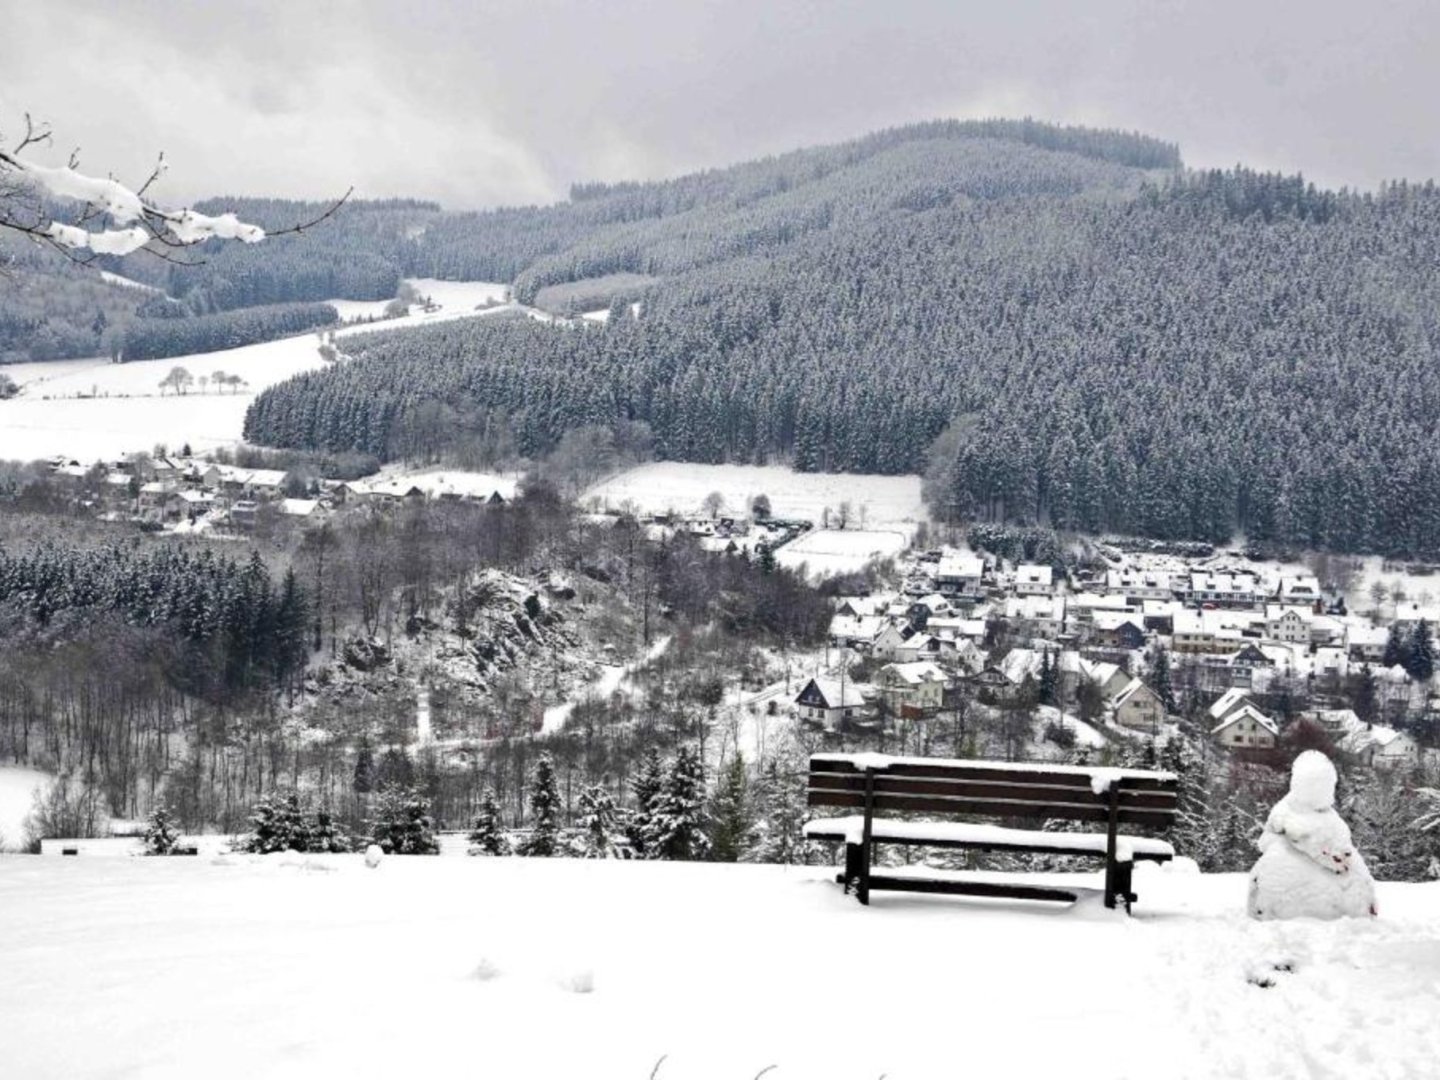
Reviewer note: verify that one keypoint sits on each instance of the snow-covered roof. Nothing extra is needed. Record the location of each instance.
(960, 566)
(1021, 662)
(1230, 700)
(863, 627)
(1133, 687)
(298, 507)
(840, 694)
(1034, 574)
(1250, 712)
(917, 672)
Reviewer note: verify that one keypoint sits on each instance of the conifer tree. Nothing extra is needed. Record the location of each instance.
(1047, 679)
(277, 824)
(161, 836)
(327, 835)
(732, 819)
(1161, 681)
(364, 781)
(598, 818)
(486, 837)
(544, 811)
(782, 840)
(401, 824)
(646, 789)
(677, 826)
(1395, 648)
(1420, 661)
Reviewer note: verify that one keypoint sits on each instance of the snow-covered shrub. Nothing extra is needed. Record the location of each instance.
(486, 838)
(161, 836)
(401, 824)
(328, 835)
(276, 824)
(598, 819)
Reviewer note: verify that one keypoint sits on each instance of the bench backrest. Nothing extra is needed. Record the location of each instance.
(992, 789)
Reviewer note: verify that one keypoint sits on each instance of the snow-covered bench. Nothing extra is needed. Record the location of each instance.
(876, 784)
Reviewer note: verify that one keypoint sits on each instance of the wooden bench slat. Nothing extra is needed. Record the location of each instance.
(935, 804)
(985, 838)
(967, 788)
(1064, 776)
(951, 887)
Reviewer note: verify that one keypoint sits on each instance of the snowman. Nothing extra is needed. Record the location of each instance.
(1308, 866)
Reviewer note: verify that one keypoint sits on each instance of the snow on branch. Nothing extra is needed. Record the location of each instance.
(109, 199)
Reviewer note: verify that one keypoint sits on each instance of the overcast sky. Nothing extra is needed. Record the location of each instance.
(502, 101)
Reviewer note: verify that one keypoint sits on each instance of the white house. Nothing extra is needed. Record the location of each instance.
(1138, 707)
(1382, 747)
(1246, 727)
(1287, 623)
(911, 688)
(1032, 579)
(829, 701)
(1232, 589)
(960, 575)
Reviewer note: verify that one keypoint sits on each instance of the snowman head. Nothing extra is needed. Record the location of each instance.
(1312, 782)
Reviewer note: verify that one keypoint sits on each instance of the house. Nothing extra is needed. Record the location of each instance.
(188, 504)
(990, 678)
(1232, 590)
(1110, 678)
(960, 575)
(300, 508)
(1032, 579)
(830, 702)
(243, 513)
(1245, 662)
(1382, 747)
(1020, 664)
(917, 646)
(855, 631)
(153, 497)
(1287, 623)
(889, 641)
(1141, 584)
(1246, 727)
(1366, 643)
(1214, 631)
(1301, 589)
(1138, 707)
(1118, 630)
(1040, 616)
(1409, 616)
(912, 690)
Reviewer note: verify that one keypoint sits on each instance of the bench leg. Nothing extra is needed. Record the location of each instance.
(1121, 885)
(852, 865)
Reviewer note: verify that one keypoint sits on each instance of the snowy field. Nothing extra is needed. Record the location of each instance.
(832, 551)
(122, 408)
(875, 501)
(17, 795)
(291, 966)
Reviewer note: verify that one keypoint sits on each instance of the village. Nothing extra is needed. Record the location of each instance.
(1127, 648)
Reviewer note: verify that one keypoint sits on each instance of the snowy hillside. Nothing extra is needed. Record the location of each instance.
(92, 409)
(294, 966)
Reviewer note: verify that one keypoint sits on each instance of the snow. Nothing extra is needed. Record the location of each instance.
(17, 795)
(879, 761)
(681, 487)
(826, 552)
(397, 479)
(97, 410)
(612, 677)
(257, 968)
(852, 828)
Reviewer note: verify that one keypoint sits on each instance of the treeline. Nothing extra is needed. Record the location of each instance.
(156, 338)
(1229, 352)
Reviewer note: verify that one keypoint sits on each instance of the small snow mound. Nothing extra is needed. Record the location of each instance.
(580, 981)
(485, 970)
(373, 855)
(1101, 779)
(1312, 782)
(871, 761)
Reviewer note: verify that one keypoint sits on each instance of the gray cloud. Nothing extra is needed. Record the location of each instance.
(477, 104)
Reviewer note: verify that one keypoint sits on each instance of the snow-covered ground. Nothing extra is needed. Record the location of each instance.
(612, 678)
(293, 966)
(833, 551)
(17, 795)
(876, 502)
(122, 408)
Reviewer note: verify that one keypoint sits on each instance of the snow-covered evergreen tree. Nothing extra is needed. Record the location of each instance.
(543, 840)
(783, 814)
(1161, 681)
(732, 817)
(598, 818)
(646, 789)
(327, 835)
(161, 836)
(276, 824)
(678, 821)
(401, 824)
(486, 836)
(1420, 655)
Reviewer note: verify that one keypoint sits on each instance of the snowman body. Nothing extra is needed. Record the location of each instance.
(1308, 865)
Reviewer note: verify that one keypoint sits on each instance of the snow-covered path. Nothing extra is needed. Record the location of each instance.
(612, 677)
(290, 966)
